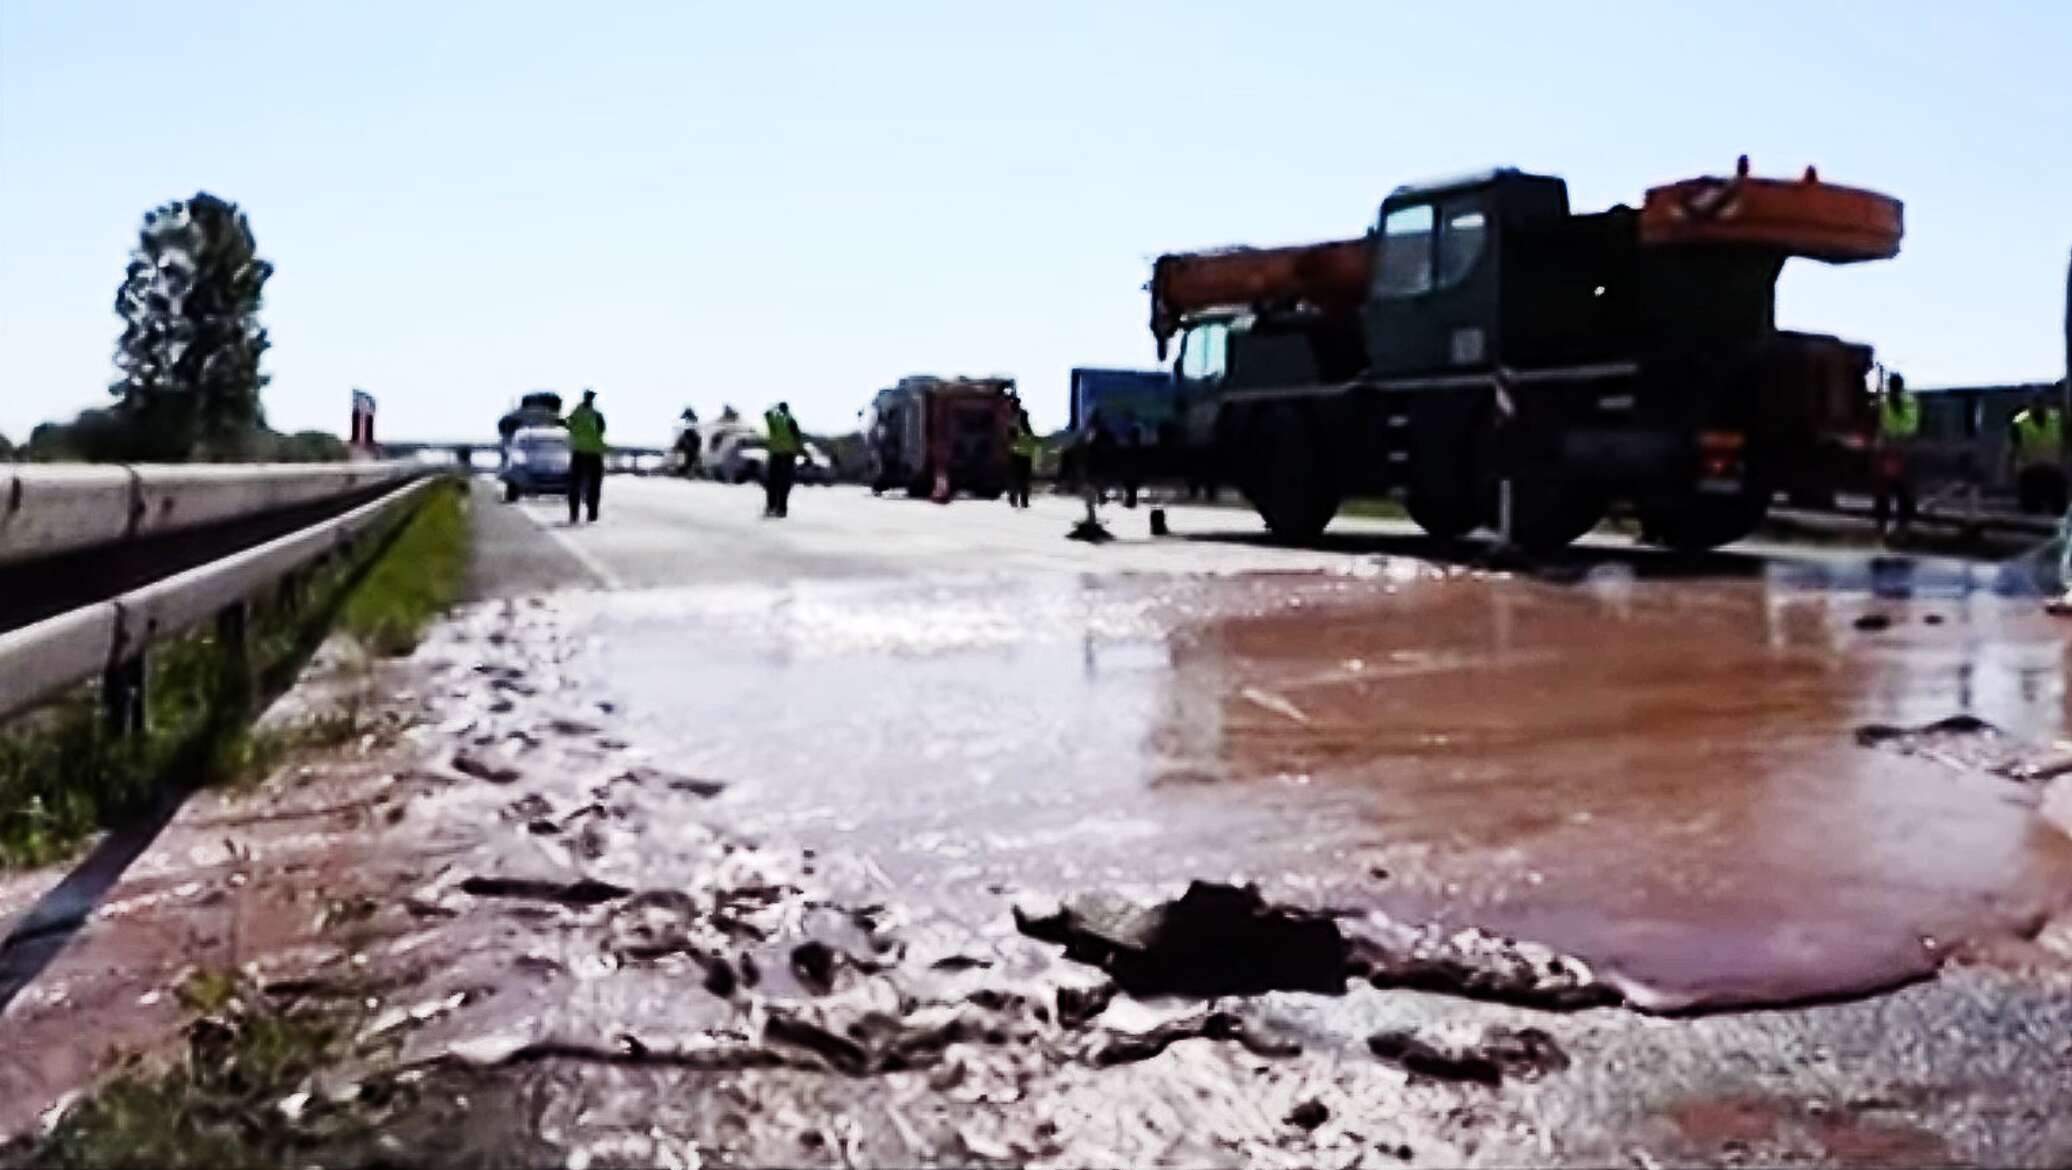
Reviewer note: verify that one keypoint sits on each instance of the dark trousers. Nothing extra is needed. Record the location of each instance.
(1020, 469)
(585, 483)
(1890, 488)
(777, 481)
(2041, 488)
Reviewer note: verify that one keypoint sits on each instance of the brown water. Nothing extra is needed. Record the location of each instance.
(1659, 776)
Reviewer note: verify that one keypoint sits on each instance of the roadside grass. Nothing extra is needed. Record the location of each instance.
(275, 1077)
(64, 776)
(1374, 508)
(416, 580)
(229, 1099)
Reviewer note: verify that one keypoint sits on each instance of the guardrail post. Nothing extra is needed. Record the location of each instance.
(288, 593)
(233, 640)
(122, 695)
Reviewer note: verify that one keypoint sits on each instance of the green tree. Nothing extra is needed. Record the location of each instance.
(191, 339)
(308, 447)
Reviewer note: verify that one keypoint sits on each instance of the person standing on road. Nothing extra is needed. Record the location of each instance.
(784, 445)
(1899, 421)
(585, 456)
(2036, 443)
(1097, 447)
(1130, 456)
(1021, 460)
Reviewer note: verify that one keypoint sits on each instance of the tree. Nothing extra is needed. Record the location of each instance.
(191, 339)
(6, 448)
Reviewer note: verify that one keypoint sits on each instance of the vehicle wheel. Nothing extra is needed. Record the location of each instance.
(1549, 513)
(1444, 515)
(510, 493)
(1703, 523)
(1288, 483)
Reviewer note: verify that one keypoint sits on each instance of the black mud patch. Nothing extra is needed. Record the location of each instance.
(1217, 940)
(1967, 743)
(1521, 1053)
(582, 892)
(1951, 727)
(1213, 940)
(1109, 1048)
(485, 769)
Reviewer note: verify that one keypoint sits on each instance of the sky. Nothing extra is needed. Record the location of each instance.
(696, 204)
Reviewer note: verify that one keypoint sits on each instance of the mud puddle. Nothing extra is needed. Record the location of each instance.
(1659, 777)
(685, 969)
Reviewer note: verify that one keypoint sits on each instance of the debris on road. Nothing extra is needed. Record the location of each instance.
(1213, 940)
(1524, 1053)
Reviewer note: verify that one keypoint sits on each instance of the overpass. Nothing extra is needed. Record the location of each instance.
(481, 454)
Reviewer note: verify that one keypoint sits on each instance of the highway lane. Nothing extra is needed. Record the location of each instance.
(668, 532)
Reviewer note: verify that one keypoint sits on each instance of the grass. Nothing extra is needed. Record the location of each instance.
(286, 1079)
(415, 581)
(1374, 508)
(64, 776)
(220, 1102)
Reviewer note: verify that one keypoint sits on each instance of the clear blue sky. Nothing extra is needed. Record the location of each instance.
(689, 203)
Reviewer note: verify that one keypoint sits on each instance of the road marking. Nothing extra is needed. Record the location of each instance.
(583, 555)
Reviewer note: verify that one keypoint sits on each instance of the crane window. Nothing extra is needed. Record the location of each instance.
(1406, 252)
(1202, 353)
(1461, 236)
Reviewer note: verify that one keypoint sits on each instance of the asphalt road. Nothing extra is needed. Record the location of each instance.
(660, 532)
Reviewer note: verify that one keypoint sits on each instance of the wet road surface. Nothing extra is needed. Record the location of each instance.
(1653, 770)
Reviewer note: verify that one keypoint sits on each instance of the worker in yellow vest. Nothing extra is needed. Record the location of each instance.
(585, 456)
(784, 445)
(2035, 451)
(1899, 421)
(1022, 447)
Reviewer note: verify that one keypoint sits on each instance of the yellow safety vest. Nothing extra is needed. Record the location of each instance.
(1025, 443)
(2038, 440)
(784, 433)
(586, 431)
(1900, 418)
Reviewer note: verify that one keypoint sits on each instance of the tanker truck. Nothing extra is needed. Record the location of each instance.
(1495, 358)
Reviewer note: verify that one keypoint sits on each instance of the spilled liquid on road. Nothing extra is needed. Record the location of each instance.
(1659, 777)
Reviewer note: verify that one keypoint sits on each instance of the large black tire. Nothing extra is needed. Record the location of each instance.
(1288, 479)
(510, 493)
(1701, 523)
(1550, 512)
(1443, 515)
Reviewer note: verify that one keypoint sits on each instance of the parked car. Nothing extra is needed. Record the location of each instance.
(741, 461)
(744, 462)
(535, 463)
(815, 467)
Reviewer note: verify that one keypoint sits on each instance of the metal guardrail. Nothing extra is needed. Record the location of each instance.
(48, 509)
(108, 637)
